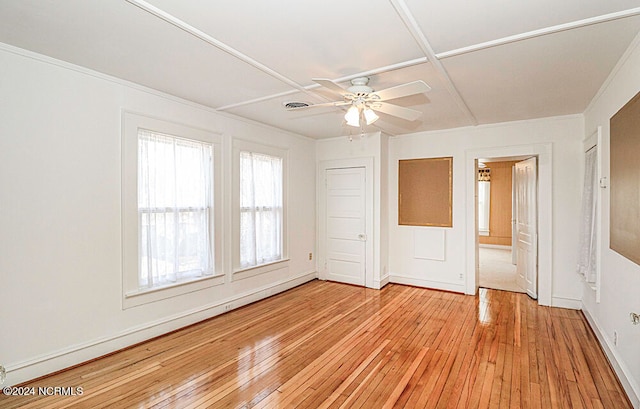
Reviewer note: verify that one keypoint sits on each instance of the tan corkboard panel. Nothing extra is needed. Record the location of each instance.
(625, 181)
(425, 192)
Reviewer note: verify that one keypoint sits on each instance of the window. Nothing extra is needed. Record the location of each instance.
(171, 210)
(174, 209)
(261, 209)
(484, 200)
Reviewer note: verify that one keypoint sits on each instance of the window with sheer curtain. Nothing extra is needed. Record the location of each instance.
(484, 200)
(588, 239)
(175, 200)
(261, 209)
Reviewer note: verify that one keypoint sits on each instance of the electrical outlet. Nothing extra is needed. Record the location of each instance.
(228, 307)
(3, 374)
(615, 338)
(310, 256)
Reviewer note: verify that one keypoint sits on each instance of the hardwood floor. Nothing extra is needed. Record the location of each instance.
(328, 345)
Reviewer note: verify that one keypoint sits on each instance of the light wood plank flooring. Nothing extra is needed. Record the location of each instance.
(328, 345)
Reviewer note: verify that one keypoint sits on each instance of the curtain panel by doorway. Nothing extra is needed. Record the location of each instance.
(588, 240)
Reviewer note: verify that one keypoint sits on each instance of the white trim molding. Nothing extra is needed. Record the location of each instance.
(379, 284)
(568, 303)
(429, 284)
(629, 384)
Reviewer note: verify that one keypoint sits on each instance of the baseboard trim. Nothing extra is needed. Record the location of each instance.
(383, 281)
(42, 365)
(629, 385)
(569, 303)
(434, 285)
(495, 246)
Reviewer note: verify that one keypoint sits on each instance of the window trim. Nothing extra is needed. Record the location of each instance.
(252, 271)
(132, 295)
(238, 271)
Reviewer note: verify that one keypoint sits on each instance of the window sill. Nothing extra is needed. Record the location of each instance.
(260, 269)
(146, 296)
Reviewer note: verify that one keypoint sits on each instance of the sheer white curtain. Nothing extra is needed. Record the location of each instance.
(588, 240)
(260, 208)
(174, 208)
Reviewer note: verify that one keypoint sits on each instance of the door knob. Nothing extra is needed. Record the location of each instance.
(362, 237)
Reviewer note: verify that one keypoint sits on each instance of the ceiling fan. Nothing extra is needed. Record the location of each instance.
(363, 100)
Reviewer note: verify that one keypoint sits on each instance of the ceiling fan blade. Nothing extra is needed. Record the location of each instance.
(410, 88)
(325, 104)
(331, 85)
(395, 110)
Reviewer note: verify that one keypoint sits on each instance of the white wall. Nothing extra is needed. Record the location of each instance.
(620, 278)
(563, 134)
(60, 218)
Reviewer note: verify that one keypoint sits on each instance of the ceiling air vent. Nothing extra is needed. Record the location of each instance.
(295, 104)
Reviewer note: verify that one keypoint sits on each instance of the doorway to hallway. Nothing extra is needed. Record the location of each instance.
(543, 153)
(507, 228)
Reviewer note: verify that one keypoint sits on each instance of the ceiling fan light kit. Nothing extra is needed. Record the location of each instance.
(370, 116)
(363, 100)
(359, 113)
(352, 116)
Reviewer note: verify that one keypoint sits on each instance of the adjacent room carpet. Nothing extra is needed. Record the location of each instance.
(496, 270)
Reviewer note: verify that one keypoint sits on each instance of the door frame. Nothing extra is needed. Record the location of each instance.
(323, 166)
(531, 287)
(545, 212)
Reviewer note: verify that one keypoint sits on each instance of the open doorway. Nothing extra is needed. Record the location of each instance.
(543, 154)
(506, 220)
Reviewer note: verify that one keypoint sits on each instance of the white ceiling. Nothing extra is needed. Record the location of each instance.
(486, 62)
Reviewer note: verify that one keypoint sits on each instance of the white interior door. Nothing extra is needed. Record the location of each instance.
(346, 225)
(527, 227)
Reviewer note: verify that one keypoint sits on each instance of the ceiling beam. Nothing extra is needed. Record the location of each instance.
(541, 32)
(374, 71)
(412, 25)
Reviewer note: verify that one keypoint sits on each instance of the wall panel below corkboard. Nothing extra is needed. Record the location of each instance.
(425, 192)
